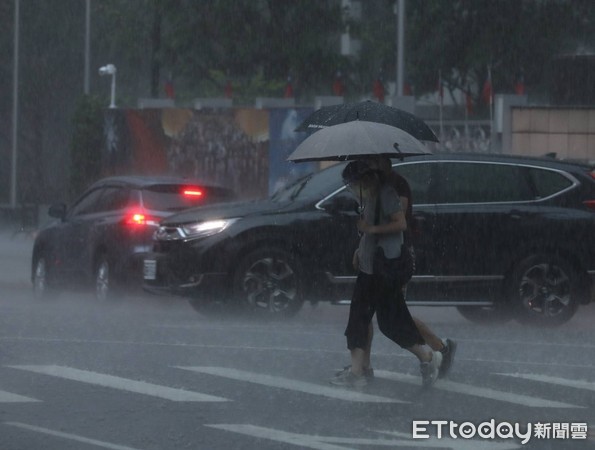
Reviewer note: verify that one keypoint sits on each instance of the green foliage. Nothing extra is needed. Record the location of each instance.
(87, 143)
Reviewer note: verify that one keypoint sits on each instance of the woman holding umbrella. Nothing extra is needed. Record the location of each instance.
(382, 225)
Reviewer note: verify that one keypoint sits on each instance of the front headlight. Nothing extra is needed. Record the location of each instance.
(208, 228)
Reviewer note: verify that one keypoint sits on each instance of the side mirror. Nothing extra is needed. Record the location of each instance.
(58, 211)
(342, 204)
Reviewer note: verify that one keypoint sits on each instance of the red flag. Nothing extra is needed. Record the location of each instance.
(338, 86)
(519, 86)
(228, 90)
(378, 90)
(169, 88)
(288, 88)
(487, 93)
(407, 89)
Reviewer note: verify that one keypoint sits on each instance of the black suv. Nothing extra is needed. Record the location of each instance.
(100, 241)
(495, 236)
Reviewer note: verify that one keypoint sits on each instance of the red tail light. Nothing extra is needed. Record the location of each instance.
(590, 204)
(139, 219)
(192, 192)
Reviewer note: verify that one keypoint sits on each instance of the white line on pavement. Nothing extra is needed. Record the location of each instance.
(124, 384)
(579, 384)
(466, 389)
(7, 397)
(72, 437)
(318, 442)
(292, 385)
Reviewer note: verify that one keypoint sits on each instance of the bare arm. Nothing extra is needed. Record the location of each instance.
(397, 224)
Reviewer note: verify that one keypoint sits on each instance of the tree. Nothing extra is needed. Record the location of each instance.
(87, 143)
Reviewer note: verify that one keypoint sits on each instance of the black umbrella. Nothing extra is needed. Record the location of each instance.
(356, 140)
(371, 112)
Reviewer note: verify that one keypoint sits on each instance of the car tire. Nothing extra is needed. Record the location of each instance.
(103, 280)
(544, 290)
(42, 283)
(486, 315)
(268, 283)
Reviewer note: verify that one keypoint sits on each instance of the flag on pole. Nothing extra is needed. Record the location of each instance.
(519, 85)
(169, 87)
(228, 89)
(378, 90)
(288, 88)
(338, 85)
(487, 93)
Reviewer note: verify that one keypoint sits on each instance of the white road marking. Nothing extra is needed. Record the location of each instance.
(587, 385)
(336, 443)
(71, 437)
(466, 389)
(124, 384)
(293, 385)
(458, 444)
(7, 397)
(299, 440)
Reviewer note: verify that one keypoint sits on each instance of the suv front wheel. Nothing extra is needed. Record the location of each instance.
(544, 290)
(104, 279)
(268, 281)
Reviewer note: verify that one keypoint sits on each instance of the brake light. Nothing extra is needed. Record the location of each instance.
(590, 204)
(139, 219)
(192, 192)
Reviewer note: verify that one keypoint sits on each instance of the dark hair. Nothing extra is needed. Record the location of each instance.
(358, 169)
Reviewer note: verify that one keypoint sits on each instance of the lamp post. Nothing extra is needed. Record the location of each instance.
(110, 69)
(15, 107)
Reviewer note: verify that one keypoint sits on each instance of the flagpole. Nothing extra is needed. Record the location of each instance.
(491, 107)
(441, 98)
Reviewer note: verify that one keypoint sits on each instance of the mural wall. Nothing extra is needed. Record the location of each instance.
(241, 148)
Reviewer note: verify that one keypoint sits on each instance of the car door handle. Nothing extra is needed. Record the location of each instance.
(516, 214)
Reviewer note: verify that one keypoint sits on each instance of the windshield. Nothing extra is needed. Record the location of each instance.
(313, 186)
(175, 197)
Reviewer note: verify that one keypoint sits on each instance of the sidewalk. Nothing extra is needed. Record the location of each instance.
(15, 260)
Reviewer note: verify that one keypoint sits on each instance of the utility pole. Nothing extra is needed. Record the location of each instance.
(15, 106)
(87, 45)
(400, 56)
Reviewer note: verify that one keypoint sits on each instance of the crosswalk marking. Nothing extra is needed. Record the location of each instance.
(587, 385)
(318, 442)
(124, 384)
(492, 394)
(293, 385)
(8, 397)
(69, 436)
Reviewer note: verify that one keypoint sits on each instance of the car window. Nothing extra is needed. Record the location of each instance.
(113, 199)
(483, 183)
(421, 181)
(176, 197)
(314, 186)
(87, 204)
(548, 182)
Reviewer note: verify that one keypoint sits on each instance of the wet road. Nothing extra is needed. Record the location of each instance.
(150, 373)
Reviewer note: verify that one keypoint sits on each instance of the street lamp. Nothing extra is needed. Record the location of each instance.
(110, 69)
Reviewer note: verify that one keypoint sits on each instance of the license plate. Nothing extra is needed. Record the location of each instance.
(150, 269)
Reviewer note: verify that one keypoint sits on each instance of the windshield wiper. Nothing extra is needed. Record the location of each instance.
(303, 182)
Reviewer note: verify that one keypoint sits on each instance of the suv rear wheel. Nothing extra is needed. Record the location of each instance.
(544, 290)
(268, 281)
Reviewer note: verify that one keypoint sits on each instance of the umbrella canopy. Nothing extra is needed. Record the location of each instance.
(354, 140)
(369, 111)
